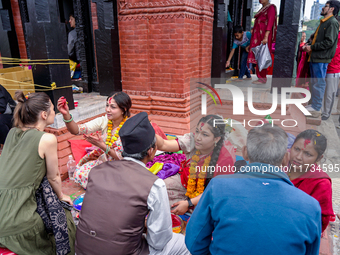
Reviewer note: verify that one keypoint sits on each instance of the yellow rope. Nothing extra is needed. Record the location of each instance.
(36, 60)
(53, 85)
(30, 64)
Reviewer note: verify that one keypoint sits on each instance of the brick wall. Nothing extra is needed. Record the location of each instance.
(19, 29)
(163, 45)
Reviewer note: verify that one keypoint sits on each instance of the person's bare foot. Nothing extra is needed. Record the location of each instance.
(249, 78)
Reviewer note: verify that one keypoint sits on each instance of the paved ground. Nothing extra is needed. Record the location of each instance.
(334, 156)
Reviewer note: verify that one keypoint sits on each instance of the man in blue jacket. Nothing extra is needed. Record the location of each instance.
(257, 210)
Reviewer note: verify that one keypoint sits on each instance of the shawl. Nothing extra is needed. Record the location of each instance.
(53, 215)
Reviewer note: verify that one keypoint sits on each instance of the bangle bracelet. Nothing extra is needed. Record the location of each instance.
(68, 121)
(107, 149)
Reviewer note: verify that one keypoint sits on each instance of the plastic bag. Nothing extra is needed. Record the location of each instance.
(262, 56)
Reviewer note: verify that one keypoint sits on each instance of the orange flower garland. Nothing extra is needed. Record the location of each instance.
(192, 190)
(111, 139)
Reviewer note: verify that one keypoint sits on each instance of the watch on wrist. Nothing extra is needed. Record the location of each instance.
(191, 205)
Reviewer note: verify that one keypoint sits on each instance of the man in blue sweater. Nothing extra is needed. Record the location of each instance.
(258, 210)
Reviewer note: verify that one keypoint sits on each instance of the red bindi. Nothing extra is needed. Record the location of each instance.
(202, 124)
(307, 141)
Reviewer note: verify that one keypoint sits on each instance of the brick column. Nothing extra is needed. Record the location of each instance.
(18, 28)
(163, 45)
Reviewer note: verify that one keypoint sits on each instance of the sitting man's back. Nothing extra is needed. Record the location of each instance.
(120, 194)
(258, 210)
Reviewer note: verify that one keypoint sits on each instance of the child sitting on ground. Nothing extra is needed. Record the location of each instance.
(242, 38)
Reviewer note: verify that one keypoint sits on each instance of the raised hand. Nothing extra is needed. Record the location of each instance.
(62, 106)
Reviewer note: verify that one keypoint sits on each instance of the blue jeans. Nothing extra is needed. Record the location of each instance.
(318, 81)
(243, 66)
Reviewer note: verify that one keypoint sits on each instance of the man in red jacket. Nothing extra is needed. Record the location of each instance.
(332, 81)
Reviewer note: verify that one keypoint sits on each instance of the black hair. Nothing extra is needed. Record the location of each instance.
(238, 29)
(335, 5)
(318, 140)
(123, 101)
(71, 15)
(28, 109)
(218, 130)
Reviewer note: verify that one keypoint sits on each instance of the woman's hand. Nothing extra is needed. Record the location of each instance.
(96, 140)
(182, 207)
(67, 199)
(265, 40)
(247, 48)
(227, 64)
(62, 106)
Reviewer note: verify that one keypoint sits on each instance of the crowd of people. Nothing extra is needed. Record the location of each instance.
(128, 209)
(318, 66)
(277, 201)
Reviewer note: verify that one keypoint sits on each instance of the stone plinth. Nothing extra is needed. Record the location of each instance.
(163, 45)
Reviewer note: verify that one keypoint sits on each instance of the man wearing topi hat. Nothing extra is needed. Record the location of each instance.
(120, 194)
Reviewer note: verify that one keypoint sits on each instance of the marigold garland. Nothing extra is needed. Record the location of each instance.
(194, 190)
(110, 139)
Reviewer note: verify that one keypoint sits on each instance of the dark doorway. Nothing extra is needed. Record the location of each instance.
(228, 14)
(85, 71)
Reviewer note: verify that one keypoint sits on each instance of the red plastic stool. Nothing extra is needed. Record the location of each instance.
(5, 251)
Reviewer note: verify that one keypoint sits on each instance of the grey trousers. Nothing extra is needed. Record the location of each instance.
(332, 81)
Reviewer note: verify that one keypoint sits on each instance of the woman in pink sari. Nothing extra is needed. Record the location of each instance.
(264, 32)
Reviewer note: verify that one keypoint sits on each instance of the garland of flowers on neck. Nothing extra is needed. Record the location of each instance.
(194, 190)
(110, 139)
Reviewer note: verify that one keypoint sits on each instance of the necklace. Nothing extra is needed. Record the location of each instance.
(110, 139)
(194, 190)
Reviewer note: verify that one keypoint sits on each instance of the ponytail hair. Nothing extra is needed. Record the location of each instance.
(28, 108)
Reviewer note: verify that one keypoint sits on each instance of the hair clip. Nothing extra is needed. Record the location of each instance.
(318, 134)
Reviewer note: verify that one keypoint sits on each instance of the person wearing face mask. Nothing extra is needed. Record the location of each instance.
(208, 154)
(306, 174)
(109, 146)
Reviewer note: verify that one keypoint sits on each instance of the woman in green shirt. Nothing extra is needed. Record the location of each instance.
(28, 155)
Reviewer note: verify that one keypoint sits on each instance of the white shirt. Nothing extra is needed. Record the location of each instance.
(159, 223)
